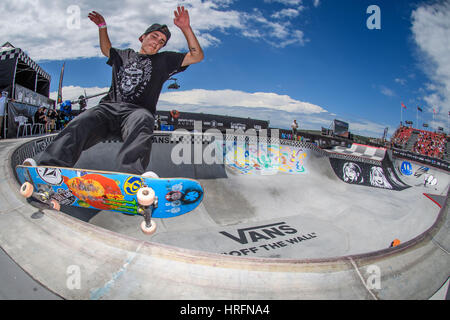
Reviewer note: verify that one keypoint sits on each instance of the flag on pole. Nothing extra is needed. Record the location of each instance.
(403, 105)
(59, 99)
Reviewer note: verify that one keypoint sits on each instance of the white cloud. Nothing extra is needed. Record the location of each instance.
(287, 13)
(297, 37)
(431, 30)
(40, 27)
(235, 98)
(74, 92)
(387, 92)
(400, 81)
(277, 33)
(223, 3)
(286, 2)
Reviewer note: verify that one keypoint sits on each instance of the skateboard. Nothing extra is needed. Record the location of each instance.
(115, 191)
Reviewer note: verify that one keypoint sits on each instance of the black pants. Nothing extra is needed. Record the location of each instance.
(132, 123)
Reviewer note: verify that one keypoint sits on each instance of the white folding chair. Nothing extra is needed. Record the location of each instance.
(23, 123)
(39, 126)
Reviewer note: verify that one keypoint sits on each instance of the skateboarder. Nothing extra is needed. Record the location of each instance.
(129, 108)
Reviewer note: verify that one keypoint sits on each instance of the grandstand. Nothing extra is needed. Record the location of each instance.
(426, 143)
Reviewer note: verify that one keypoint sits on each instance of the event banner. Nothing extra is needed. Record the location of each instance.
(437, 163)
(186, 120)
(28, 96)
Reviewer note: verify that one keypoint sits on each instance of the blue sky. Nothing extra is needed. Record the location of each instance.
(277, 60)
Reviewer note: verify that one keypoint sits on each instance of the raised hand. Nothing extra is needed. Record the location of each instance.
(181, 19)
(105, 43)
(96, 18)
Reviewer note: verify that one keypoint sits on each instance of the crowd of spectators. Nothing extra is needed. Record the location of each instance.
(401, 136)
(431, 144)
(53, 120)
(428, 143)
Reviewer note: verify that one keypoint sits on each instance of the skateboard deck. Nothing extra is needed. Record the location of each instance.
(112, 191)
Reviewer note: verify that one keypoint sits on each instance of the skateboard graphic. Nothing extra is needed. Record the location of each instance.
(115, 191)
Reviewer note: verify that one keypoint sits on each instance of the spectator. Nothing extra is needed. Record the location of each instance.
(59, 120)
(174, 115)
(52, 116)
(158, 122)
(40, 117)
(294, 127)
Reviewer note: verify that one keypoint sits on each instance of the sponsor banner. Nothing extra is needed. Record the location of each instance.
(25, 95)
(437, 163)
(186, 120)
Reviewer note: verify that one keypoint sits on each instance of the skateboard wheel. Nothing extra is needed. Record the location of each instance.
(29, 162)
(26, 189)
(146, 196)
(150, 230)
(55, 205)
(150, 174)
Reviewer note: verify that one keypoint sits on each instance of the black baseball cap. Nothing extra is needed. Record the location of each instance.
(158, 27)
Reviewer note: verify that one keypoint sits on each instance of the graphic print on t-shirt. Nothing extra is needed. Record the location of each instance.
(133, 78)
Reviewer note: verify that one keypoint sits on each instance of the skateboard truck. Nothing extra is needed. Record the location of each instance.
(27, 190)
(147, 203)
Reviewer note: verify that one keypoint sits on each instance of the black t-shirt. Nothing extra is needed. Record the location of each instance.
(37, 117)
(138, 78)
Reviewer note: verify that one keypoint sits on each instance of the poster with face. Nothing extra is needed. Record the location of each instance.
(352, 173)
(377, 178)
